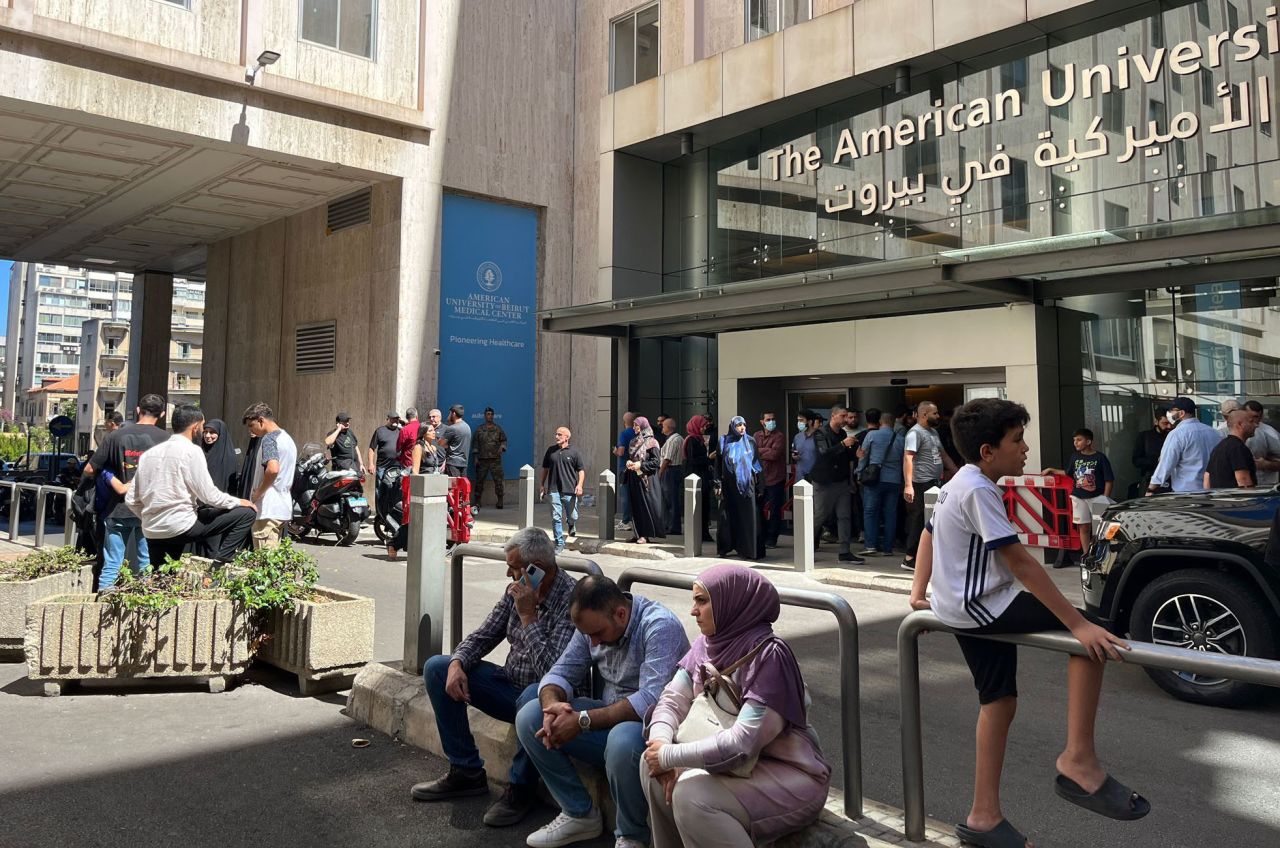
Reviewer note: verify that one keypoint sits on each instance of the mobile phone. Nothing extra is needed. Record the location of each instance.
(533, 575)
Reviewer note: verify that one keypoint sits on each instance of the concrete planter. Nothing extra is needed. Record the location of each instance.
(75, 637)
(324, 643)
(15, 595)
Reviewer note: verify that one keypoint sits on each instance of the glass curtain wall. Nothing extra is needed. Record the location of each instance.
(676, 377)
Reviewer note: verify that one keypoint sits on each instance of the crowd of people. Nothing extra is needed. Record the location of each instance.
(675, 778)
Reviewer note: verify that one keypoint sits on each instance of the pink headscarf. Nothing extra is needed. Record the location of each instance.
(643, 440)
(745, 605)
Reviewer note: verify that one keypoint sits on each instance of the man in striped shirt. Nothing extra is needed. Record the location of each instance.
(970, 556)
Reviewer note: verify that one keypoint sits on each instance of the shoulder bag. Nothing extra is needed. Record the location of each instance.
(717, 708)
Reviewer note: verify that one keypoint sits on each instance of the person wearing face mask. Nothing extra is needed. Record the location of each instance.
(772, 448)
(802, 454)
(1186, 451)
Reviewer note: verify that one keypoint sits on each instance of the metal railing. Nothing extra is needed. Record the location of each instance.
(42, 491)
(1244, 669)
(850, 703)
(580, 565)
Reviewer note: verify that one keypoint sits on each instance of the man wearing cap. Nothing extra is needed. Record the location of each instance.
(382, 447)
(1186, 451)
(344, 447)
(489, 443)
(455, 438)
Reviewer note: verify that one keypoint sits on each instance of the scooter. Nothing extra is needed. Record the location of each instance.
(327, 501)
(389, 505)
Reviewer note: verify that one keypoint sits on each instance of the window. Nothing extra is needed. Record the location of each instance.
(634, 48)
(185, 4)
(922, 158)
(1058, 81)
(1206, 87)
(50, 282)
(1233, 18)
(1206, 185)
(765, 17)
(1013, 75)
(1013, 196)
(346, 25)
(1113, 111)
(1115, 216)
(1202, 12)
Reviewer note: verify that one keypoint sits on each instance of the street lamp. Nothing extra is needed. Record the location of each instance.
(266, 57)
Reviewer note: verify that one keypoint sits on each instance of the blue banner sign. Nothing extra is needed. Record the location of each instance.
(488, 296)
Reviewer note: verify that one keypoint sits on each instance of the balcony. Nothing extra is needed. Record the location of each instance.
(189, 356)
(110, 352)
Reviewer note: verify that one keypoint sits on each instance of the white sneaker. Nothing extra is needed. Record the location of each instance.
(624, 842)
(564, 829)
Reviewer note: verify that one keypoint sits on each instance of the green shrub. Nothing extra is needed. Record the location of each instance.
(269, 578)
(43, 562)
(160, 587)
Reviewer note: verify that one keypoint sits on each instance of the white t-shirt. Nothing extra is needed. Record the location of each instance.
(1265, 444)
(971, 586)
(276, 502)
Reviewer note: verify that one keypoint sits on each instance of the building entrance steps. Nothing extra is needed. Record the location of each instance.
(395, 703)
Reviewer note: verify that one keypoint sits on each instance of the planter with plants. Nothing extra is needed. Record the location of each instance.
(322, 635)
(39, 574)
(169, 622)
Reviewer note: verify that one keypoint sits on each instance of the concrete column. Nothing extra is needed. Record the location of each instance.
(606, 504)
(802, 518)
(693, 507)
(150, 329)
(527, 497)
(426, 577)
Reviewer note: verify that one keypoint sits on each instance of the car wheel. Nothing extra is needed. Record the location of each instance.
(1204, 611)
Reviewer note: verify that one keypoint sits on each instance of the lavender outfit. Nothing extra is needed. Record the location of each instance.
(788, 786)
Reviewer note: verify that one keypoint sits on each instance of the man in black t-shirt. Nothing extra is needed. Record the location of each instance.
(1231, 465)
(118, 455)
(344, 447)
(563, 475)
(382, 447)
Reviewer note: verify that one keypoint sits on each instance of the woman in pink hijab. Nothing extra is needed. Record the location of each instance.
(697, 796)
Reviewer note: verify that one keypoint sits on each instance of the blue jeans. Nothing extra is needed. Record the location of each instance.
(618, 749)
(115, 542)
(561, 505)
(493, 695)
(877, 501)
(673, 500)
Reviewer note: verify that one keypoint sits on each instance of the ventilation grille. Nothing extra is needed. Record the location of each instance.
(350, 211)
(315, 348)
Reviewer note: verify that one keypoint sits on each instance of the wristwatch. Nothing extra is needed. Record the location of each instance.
(584, 720)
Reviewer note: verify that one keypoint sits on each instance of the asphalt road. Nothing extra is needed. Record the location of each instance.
(260, 763)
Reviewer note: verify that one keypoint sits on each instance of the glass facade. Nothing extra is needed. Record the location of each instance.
(1135, 144)
(676, 377)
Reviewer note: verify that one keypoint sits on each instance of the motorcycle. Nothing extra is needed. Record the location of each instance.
(327, 501)
(389, 505)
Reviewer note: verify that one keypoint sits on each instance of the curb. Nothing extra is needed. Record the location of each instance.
(854, 580)
(396, 704)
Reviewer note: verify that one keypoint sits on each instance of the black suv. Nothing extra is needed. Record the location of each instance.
(1189, 570)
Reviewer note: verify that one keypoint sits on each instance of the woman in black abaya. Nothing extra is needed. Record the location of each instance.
(220, 454)
(641, 479)
(739, 527)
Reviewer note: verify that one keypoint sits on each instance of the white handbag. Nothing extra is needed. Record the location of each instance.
(717, 708)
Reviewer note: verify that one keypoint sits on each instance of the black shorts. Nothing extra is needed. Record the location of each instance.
(994, 665)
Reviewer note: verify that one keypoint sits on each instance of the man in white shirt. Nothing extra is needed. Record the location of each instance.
(1265, 445)
(672, 456)
(272, 475)
(178, 502)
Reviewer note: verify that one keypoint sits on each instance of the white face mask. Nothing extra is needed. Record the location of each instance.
(1172, 416)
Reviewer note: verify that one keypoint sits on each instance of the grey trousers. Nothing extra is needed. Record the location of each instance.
(834, 499)
(703, 812)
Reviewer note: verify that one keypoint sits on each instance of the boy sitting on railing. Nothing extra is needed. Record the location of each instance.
(970, 556)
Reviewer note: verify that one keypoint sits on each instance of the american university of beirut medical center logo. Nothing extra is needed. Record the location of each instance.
(489, 276)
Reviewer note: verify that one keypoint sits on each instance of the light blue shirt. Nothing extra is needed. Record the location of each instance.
(1185, 455)
(638, 667)
(884, 447)
(802, 444)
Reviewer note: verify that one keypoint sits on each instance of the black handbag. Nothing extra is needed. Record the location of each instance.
(870, 476)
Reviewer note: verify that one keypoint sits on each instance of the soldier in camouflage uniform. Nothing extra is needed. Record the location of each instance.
(490, 443)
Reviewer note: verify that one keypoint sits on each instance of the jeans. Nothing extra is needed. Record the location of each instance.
(673, 500)
(618, 749)
(562, 505)
(774, 496)
(115, 542)
(915, 515)
(880, 512)
(834, 500)
(491, 694)
(624, 500)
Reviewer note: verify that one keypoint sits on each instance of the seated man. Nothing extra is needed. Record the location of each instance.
(178, 502)
(533, 616)
(633, 644)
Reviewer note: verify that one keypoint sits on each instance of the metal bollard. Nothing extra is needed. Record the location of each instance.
(68, 529)
(527, 498)
(930, 503)
(15, 504)
(41, 512)
(425, 576)
(802, 518)
(693, 507)
(606, 504)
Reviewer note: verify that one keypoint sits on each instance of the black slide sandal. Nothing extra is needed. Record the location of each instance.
(1113, 799)
(1003, 835)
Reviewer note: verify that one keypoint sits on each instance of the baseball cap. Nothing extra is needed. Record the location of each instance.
(393, 415)
(1186, 404)
(342, 418)
(488, 409)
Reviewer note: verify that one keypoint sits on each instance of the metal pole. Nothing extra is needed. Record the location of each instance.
(606, 503)
(40, 516)
(527, 498)
(15, 505)
(68, 529)
(693, 507)
(802, 518)
(425, 572)
(912, 735)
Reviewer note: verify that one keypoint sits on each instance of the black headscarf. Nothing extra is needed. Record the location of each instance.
(221, 455)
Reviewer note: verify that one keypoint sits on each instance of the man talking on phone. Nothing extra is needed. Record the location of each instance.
(533, 616)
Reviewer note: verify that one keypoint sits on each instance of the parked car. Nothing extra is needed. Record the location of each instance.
(1190, 571)
(37, 468)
